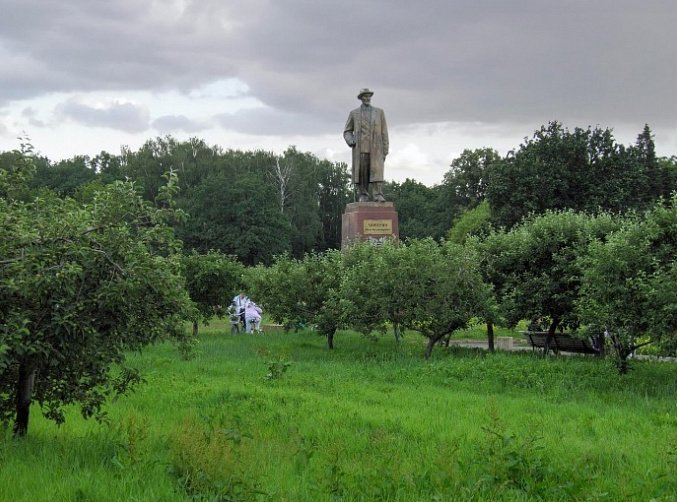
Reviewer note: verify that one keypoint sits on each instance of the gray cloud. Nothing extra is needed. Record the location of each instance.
(30, 114)
(123, 116)
(526, 61)
(169, 124)
(272, 122)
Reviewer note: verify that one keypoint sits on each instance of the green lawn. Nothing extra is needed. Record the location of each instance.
(279, 417)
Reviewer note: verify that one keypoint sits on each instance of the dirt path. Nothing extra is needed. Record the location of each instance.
(520, 345)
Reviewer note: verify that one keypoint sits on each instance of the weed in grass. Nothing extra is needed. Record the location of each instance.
(665, 483)
(278, 364)
(212, 464)
(333, 482)
(5, 441)
(277, 368)
(666, 419)
(447, 467)
(306, 448)
(186, 347)
(79, 495)
(672, 455)
(130, 447)
(511, 464)
(220, 421)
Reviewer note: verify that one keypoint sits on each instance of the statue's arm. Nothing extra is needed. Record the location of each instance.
(349, 131)
(384, 126)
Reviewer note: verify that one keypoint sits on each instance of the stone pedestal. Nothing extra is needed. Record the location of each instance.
(372, 221)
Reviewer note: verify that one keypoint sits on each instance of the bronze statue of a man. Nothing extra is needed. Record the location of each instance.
(366, 133)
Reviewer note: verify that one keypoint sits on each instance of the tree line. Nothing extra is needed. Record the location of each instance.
(252, 205)
(256, 204)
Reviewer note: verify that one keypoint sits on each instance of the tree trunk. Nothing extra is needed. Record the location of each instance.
(330, 340)
(490, 335)
(195, 328)
(600, 345)
(622, 352)
(397, 332)
(431, 344)
(623, 365)
(24, 391)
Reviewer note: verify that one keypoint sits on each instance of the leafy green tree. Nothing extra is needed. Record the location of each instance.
(64, 177)
(668, 165)
(299, 199)
(431, 211)
(472, 222)
(277, 288)
(421, 285)
(148, 165)
(534, 267)
(656, 178)
(212, 221)
(475, 224)
(80, 285)
(21, 164)
(193, 160)
(468, 177)
(108, 167)
(212, 279)
(237, 217)
(301, 292)
(16, 170)
(370, 286)
(418, 211)
(628, 284)
(335, 192)
(261, 230)
(584, 170)
(326, 271)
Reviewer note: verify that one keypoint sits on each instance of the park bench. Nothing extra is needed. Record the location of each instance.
(561, 342)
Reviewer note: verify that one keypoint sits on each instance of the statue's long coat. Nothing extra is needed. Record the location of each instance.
(379, 141)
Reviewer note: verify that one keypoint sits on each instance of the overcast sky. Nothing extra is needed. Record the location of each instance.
(81, 76)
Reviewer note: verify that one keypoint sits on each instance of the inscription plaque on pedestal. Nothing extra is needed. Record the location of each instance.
(372, 221)
(377, 227)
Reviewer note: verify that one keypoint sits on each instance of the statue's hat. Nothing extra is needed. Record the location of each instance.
(365, 92)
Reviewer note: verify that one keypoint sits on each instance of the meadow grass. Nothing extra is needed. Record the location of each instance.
(280, 417)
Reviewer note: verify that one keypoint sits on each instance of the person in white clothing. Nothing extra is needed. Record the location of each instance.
(252, 315)
(240, 303)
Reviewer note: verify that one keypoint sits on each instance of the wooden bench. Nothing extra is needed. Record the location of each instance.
(561, 342)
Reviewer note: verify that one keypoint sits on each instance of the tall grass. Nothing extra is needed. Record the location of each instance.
(279, 417)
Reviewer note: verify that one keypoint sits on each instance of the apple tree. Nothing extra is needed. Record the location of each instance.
(80, 285)
(628, 284)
